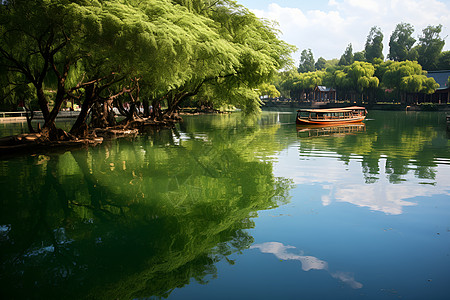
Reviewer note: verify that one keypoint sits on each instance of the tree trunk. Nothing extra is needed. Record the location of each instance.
(50, 120)
(102, 114)
(79, 128)
(146, 104)
(42, 101)
(156, 114)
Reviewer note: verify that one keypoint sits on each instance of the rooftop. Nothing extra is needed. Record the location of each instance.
(440, 77)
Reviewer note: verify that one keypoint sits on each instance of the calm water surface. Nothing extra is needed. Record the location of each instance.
(222, 208)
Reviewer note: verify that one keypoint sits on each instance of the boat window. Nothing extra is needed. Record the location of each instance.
(303, 114)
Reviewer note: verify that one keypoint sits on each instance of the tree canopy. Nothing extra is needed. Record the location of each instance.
(347, 58)
(374, 45)
(320, 64)
(361, 78)
(106, 52)
(401, 42)
(430, 47)
(306, 62)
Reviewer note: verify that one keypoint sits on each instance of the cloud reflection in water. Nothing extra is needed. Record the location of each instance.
(345, 182)
(308, 262)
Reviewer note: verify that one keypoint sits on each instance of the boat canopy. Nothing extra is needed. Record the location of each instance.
(333, 110)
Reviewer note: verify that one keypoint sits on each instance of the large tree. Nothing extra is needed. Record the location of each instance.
(405, 77)
(401, 42)
(347, 58)
(374, 45)
(306, 62)
(106, 52)
(354, 79)
(33, 36)
(321, 63)
(430, 47)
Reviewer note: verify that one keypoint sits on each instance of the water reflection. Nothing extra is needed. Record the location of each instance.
(321, 130)
(343, 182)
(140, 218)
(308, 262)
(134, 218)
(396, 158)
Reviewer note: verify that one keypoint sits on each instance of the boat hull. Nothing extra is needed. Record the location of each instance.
(331, 121)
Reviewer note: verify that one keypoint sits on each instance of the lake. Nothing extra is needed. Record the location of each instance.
(227, 207)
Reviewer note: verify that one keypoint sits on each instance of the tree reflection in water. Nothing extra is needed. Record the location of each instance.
(399, 155)
(400, 140)
(133, 218)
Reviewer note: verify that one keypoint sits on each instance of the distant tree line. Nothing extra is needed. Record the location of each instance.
(365, 75)
(361, 81)
(402, 46)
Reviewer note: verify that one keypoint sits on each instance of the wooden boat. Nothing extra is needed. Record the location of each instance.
(331, 116)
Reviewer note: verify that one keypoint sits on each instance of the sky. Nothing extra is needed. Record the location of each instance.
(328, 26)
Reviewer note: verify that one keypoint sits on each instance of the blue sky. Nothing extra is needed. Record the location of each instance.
(328, 26)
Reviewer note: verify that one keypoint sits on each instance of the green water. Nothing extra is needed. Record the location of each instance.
(229, 208)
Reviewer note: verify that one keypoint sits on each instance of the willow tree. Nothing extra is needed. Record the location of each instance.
(246, 54)
(33, 34)
(362, 77)
(356, 78)
(406, 77)
(269, 90)
(106, 51)
(302, 84)
(50, 45)
(288, 78)
(149, 49)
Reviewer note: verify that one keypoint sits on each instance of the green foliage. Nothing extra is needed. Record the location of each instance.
(364, 78)
(406, 76)
(321, 63)
(430, 47)
(428, 107)
(393, 72)
(444, 61)
(269, 90)
(413, 55)
(174, 48)
(308, 81)
(360, 56)
(331, 63)
(401, 42)
(374, 44)
(347, 58)
(418, 83)
(359, 76)
(306, 62)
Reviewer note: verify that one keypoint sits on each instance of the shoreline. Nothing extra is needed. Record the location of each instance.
(378, 106)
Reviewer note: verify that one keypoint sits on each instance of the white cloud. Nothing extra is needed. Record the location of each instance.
(328, 30)
(308, 262)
